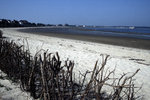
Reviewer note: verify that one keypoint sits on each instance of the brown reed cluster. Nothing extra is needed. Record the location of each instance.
(44, 76)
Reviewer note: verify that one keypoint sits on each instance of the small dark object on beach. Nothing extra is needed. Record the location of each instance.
(137, 59)
(1, 34)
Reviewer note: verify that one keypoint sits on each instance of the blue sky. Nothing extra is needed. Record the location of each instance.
(89, 12)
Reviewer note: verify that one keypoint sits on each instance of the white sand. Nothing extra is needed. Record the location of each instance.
(10, 90)
(85, 54)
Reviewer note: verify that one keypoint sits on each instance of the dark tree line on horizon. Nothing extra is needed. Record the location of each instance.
(25, 23)
(20, 23)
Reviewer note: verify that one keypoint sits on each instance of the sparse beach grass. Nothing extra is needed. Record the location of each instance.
(1, 34)
(45, 77)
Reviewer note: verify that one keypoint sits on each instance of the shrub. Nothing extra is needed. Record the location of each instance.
(45, 78)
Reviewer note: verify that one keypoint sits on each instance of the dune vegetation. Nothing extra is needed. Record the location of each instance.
(44, 76)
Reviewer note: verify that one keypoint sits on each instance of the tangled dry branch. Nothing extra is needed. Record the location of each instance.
(44, 76)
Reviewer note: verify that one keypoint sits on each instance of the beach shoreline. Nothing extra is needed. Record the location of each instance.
(118, 41)
(86, 53)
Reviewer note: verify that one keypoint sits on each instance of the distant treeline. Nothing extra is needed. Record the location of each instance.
(20, 23)
(25, 23)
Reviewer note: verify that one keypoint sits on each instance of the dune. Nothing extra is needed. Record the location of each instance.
(85, 54)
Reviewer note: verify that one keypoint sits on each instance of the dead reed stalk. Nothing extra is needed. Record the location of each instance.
(1, 34)
(44, 76)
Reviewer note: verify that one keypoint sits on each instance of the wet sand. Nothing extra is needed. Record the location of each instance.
(120, 41)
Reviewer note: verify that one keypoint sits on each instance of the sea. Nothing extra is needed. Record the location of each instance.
(120, 31)
(112, 31)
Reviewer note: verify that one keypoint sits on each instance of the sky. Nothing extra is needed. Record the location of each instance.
(79, 12)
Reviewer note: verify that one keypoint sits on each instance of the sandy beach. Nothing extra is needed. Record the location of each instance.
(127, 55)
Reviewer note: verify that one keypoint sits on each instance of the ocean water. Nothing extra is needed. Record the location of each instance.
(130, 32)
(140, 30)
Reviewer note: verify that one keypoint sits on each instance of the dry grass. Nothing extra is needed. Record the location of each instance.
(45, 78)
(1, 34)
